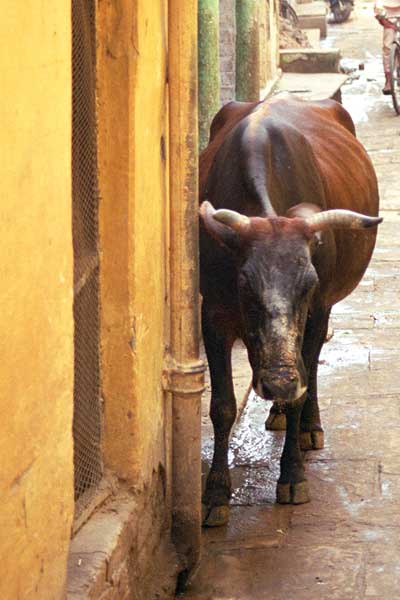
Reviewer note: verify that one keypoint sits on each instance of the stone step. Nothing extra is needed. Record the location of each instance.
(313, 15)
(313, 36)
(309, 60)
(318, 86)
(311, 9)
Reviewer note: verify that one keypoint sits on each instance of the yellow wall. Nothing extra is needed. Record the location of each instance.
(36, 268)
(133, 210)
(36, 341)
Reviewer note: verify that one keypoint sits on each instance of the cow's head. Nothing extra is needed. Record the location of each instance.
(276, 283)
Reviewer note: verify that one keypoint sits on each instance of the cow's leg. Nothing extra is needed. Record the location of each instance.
(223, 413)
(276, 420)
(312, 434)
(292, 486)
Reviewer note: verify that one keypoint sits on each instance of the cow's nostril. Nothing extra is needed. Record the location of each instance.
(279, 389)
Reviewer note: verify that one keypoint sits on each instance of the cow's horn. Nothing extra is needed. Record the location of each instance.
(233, 219)
(341, 219)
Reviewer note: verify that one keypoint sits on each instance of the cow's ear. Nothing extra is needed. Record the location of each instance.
(304, 210)
(223, 234)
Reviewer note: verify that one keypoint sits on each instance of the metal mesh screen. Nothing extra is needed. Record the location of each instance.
(87, 412)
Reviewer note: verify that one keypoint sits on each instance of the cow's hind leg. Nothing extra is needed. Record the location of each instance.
(312, 434)
(223, 413)
(292, 486)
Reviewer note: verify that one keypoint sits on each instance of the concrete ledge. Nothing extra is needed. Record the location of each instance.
(319, 86)
(121, 553)
(309, 60)
(318, 22)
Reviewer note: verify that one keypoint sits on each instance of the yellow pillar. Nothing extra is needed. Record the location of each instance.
(133, 179)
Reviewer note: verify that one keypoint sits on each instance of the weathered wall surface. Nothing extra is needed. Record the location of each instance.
(227, 41)
(133, 222)
(272, 7)
(134, 271)
(208, 66)
(36, 341)
(110, 557)
(36, 345)
(260, 61)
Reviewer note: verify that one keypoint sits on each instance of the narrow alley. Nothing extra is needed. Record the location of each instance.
(345, 543)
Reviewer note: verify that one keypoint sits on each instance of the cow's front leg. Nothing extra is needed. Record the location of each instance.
(223, 413)
(312, 434)
(292, 486)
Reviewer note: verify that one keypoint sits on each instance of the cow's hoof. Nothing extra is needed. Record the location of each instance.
(306, 440)
(311, 440)
(276, 421)
(317, 438)
(292, 493)
(217, 516)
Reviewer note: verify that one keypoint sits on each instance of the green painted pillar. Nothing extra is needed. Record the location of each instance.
(209, 77)
(248, 59)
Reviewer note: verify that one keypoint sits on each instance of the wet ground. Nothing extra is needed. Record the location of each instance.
(344, 544)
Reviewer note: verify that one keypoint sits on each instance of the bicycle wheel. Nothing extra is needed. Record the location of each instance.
(395, 76)
(342, 11)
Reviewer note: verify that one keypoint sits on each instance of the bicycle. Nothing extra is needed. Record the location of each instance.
(340, 10)
(395, 67)
(393, 23)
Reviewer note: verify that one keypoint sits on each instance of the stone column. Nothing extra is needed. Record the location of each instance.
(248, 56)
(227, 49)
(208, 53)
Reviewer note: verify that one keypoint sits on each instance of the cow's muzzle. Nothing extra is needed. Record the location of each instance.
(287, 391)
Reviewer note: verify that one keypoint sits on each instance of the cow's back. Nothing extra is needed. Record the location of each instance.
(349, 182)
(312, 156)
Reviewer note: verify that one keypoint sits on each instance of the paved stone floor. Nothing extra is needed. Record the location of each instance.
(344, 544)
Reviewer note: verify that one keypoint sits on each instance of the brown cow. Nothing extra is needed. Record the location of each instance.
(289, 204)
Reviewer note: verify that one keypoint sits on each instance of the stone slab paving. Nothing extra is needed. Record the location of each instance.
(344, 544)
(314, 86)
